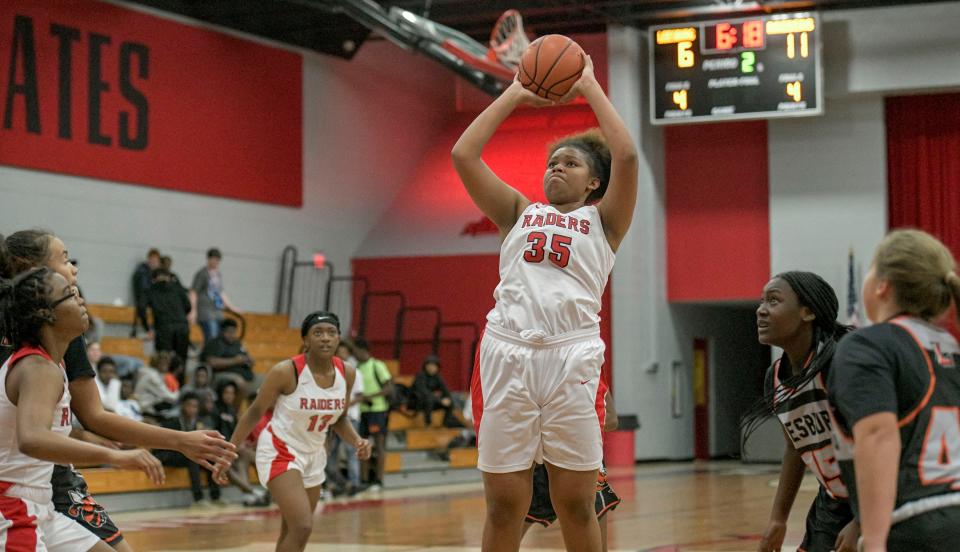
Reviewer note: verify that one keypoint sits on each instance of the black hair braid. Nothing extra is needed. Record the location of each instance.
(817, 295)
(25, 307)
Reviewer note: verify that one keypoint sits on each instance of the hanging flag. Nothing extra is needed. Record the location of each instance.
(853, 306)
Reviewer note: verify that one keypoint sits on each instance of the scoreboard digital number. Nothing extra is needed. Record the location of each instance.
(750, 68)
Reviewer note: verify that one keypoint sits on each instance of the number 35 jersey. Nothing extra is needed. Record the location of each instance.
(302, 418)
(553, 269)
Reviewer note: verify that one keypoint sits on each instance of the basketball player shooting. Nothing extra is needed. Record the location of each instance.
(535, 386)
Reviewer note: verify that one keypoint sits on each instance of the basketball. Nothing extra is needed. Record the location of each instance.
(551, 65)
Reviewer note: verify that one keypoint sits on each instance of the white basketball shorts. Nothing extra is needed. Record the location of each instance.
(535, 400)
(275, 456)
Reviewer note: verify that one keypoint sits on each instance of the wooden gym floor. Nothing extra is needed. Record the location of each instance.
(715, 506)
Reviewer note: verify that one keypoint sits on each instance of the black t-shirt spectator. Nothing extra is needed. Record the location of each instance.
(219, 347)
(224, 419)
(169, 303)
(429, 387)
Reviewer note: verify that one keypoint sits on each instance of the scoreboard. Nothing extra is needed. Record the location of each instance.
(749, 68)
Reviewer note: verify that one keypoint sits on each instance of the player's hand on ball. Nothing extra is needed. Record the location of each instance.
(525, 96)
(587, 78)
(364, 449)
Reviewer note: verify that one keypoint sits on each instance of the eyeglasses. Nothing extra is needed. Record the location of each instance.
(71, 293)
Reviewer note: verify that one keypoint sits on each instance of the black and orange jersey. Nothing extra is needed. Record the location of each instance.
(907, 367)
(805, 416)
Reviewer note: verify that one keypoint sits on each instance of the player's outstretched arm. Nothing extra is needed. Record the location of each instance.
(205, 447)
(616, 207)
(497, 199)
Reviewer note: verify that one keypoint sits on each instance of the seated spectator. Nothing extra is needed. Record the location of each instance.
(432, 393)
(225, 421)
(127, 406)
(108, 383)
(170, 305)
(225, 355)
(200, 386)
(187, 421)
(345, 353)
(127, 366)
(152, 392)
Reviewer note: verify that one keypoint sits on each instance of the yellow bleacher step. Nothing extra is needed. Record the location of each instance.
(463, 457)
(430, 438)
(129, 346)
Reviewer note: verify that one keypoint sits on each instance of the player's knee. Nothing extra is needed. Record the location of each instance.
(506, 509)
(299, 530)
(574, 509)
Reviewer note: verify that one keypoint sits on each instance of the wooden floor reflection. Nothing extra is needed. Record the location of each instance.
(716, 506)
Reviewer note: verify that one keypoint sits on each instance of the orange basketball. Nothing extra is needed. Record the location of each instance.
(551, 65)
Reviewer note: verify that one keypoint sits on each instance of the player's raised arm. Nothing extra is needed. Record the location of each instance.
(497, 199)
(616, 207)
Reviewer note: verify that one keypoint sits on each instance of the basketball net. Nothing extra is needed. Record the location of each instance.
(507, 40)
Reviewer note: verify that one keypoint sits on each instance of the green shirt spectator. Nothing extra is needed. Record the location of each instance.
(375, 374)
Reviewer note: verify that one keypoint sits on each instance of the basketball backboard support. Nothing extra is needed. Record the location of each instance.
(490, 69)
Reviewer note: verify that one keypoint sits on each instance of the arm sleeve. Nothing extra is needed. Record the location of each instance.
(862, 379)
(199, 284)
(76, 361)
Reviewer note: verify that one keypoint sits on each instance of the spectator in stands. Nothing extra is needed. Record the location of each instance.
(107, 383)
(374, 409)
(207, 298)
(174, 374)
(345, 353)
(170, 304)
(336, 443)
(188, 421)
(166, 263)
(127, 366)
(200, 386)
(141, 284)
(128, 407)
(228, 359)
(225, 421)
(151, 390)
(432, 394)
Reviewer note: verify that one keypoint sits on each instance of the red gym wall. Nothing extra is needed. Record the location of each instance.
(718, 224)
(111, 93)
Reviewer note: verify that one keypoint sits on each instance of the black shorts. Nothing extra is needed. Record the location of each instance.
(936, 531)
(72, 499)
(372, 423)
(826, 518)
(541, 507)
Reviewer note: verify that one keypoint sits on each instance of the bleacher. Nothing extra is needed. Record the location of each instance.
(411, 447)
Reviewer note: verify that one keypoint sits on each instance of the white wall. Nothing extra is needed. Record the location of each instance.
(362, 141)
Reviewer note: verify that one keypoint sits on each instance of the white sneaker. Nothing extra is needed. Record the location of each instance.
(376, 488)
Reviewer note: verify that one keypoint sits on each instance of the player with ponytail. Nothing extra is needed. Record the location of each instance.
(895, 392)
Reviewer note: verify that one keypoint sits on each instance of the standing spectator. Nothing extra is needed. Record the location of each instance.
(170, 305)
(374, 409)
(166, 263)
(432, 393)
(345, 352)
(108, 384)
(188, 421)
(200, 386)
(207, 299)
(228, 359)
(152, 392)
(141, 284)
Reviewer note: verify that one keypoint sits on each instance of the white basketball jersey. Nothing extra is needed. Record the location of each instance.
(553, 269)
(301, 419)
(16, 467)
